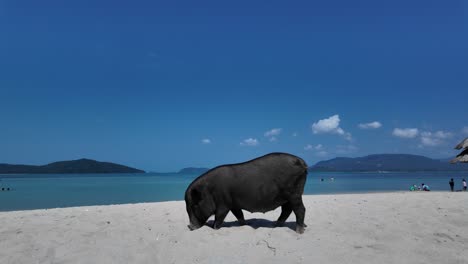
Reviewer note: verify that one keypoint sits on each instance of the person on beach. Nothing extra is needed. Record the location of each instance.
(451, 183)
(425, 188)
(464, 185)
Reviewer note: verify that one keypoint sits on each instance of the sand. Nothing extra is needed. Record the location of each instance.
(417, 227)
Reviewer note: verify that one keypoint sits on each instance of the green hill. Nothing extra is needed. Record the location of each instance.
(72, 166)
(387, 162)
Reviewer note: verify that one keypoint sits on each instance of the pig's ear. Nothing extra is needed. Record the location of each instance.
(196, 196)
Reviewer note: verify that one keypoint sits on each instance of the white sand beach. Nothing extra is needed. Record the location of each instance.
(405, 227)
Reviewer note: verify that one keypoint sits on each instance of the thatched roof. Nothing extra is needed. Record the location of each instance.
(463, 144)
(462, 157)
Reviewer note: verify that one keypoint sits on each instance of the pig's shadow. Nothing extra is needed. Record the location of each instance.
(255, 223)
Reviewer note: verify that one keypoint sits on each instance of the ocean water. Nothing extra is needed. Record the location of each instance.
(52, 191)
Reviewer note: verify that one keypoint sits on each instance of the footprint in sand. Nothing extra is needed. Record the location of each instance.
(443, 235)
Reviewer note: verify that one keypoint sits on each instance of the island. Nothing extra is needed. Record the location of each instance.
(71, 166)
(387, 162)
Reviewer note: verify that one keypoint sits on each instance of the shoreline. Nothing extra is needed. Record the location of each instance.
(304, 195)
(395, 227)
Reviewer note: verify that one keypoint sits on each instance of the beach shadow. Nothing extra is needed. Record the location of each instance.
(255, 223)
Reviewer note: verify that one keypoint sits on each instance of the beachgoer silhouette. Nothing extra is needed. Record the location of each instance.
(452, 183)
(425, 187)
(464, 185)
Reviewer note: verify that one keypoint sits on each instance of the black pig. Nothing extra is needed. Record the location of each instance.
(259, 185)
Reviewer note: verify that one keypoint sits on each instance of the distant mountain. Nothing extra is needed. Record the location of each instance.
(387, 162)
(192, 170)
(72, 166)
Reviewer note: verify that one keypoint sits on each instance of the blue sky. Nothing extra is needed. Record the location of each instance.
(162, 85)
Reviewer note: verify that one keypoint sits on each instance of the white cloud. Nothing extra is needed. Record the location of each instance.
(371, 125)
(206, 141)
(465, 130)
(317, 149)
(311, 147)
(348, 136)
(322, 153)
(429, 139)
(294, 134)
(443, 134)
(251, 142)
(405, 132)
(273, 134)
(330, 125)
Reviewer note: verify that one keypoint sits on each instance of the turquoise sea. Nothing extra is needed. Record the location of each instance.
(51, 191)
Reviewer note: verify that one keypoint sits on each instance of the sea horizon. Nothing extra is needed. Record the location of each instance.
(45, 191)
